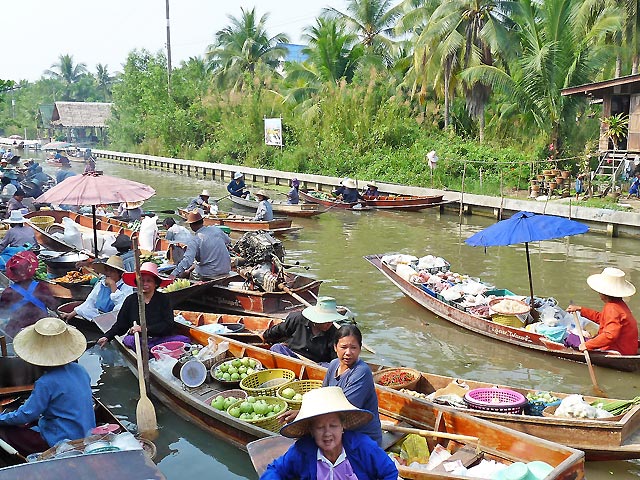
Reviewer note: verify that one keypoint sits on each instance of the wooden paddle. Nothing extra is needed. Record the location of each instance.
(11, 451)
(286, 289)
(596, 388)
(392, 427)
(145, 411)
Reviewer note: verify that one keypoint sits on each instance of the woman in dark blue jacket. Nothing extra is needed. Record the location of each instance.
(324, 449)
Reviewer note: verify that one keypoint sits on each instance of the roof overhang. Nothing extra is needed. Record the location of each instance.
(622, 85)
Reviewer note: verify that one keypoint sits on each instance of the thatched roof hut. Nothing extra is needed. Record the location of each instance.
(81, 114)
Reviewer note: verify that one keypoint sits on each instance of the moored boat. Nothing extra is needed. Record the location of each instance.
(242, 223)
(250, 328)
(297, 210)
(505, 333)
(403, 202)
(494, 441)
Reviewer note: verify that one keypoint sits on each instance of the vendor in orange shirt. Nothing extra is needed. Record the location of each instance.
(618, 329)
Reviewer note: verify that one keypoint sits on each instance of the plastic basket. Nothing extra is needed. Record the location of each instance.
(173, 349)
(409, 384)
(232, 383)
(266, 382)
(268, 423)
(495, 400)
(507, 320)
(427, 290)
(535, 408)
(302, 387)
(499, 292)
(42, 221)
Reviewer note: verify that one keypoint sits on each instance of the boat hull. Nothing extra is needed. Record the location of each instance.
(307, 197)
(510, 335)
(297, 210)
(241, 223)
(404, 202)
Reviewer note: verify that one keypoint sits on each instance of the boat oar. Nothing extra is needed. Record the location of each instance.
(392, 427)
(11, 451)
(222, 198)
(596, 388)
(286, 289)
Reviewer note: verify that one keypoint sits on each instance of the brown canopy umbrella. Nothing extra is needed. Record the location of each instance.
(95, 189)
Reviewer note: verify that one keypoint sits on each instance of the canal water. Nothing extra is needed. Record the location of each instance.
(331, 247)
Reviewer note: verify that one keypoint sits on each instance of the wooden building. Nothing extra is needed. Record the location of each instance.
(618, 95)
(81, 122)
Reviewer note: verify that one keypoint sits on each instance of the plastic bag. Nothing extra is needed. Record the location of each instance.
(148, 234)
(164, 365)
(72, 235)
(414, 449)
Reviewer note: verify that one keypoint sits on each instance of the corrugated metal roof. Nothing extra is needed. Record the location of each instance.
(81, 114)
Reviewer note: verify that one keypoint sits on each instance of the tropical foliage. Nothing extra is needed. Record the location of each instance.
(380, 84)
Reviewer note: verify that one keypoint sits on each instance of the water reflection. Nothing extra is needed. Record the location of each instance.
(401, 332)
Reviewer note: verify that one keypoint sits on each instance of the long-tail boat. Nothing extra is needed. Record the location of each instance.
(231, 294)
(85, 223)
(617, 438)
(403, 202)
(493, 441)
(291, 210)
(504, 333)
(242, 223)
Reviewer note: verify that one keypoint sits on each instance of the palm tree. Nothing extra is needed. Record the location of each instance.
(66, 71)
(372, 21)
(104, 80)
(631, 32)
(562, 44)
(244, 46)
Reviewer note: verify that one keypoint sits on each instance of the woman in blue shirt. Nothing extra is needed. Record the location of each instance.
(61, 405)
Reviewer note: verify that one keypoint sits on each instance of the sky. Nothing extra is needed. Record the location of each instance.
(39, 31)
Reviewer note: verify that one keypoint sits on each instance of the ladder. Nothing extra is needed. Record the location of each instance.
(611, 165)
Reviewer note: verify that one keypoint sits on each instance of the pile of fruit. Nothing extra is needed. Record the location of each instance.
(544, 397)
(150, 257)
(177, 284)
(395, 378)
(223, 403)
(41, 272)
(254, 408)
(236, 369)
(290, 394)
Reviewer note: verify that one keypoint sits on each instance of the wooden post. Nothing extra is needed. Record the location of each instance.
(464, 174)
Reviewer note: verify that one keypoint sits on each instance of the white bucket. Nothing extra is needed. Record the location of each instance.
(193, 373)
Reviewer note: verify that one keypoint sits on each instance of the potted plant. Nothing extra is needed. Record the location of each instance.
(616, 127)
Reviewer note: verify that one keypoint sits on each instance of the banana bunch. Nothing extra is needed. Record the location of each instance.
(177, 284)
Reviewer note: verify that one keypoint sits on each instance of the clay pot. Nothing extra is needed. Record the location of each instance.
(546, 172)
(535, 188)
(566, 174)
(534, 182)
(540, 177)
(553, 185)
(556, 172)
(559, 180)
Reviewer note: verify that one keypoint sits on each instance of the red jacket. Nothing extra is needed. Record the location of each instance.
(618, 329)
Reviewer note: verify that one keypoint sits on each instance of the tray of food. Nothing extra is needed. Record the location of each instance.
(74, 278)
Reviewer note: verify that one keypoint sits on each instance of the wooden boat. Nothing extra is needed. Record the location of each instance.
(615, 439)
(494, 441)
(228, 295)
(322, 198)
(253, 326)
(242, 223)
(85, 223)
(511, 335)
(403, 202)
(297, 210)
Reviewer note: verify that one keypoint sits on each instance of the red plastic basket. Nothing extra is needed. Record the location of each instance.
(495, 400)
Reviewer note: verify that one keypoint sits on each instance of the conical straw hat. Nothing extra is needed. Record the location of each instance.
(49, 343)
(321, 401)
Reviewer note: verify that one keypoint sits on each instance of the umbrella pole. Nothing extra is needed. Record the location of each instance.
(95, 231)
(526, 246)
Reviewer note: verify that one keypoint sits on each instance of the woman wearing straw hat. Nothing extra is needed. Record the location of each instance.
(107, 294)
(618, 329)
(131, 211)
(348, 191)
(26, 300)
(372, 190)
(157, 307)
(61, 403)
(264, 212)
(19, 234)
(327, 447)
(201, 204)
(309, 333)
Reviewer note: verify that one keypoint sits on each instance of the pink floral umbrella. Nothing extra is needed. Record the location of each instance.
(95, 189)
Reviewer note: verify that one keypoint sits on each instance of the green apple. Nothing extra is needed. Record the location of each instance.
(252, 363)
(246, 407)
(236, 363)
(277, 409)
(297, 397)
(242, 369)
(261, 408)
(235, 377)
(224, 367)
(235, 412)
(251, 399)
(244, 361)
(226, 377)
(288, 393)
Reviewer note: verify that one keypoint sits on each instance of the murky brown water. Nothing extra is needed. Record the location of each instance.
(401, 332)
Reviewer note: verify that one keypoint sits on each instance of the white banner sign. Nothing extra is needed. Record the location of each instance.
(273, 131)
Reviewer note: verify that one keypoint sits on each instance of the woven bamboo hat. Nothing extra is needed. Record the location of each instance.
(321, 401)
(611, 282)
(134, 205)
(49, 343)
(262, 193)
(193, 217)
(372, 183)
(114, 261)
(349, 183)
(205, 193)
(324, 311)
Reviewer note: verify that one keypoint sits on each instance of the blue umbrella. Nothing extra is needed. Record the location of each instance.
(525, 227)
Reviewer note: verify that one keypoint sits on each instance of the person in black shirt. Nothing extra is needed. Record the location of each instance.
(309, 333)
(158, 311)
